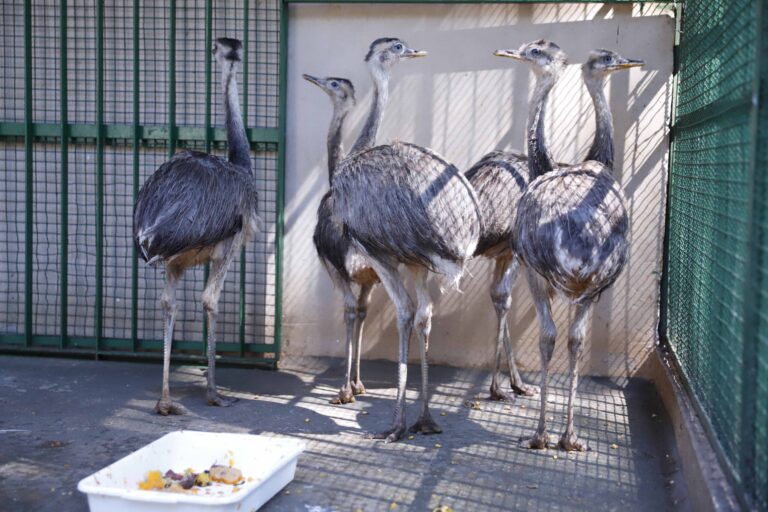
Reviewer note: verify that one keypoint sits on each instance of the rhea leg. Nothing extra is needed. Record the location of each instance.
(350, 316)
(569, 440)
(363, 299)
(211, 294)
(423, 326)
(504, 276)
(548, 332)
(393, 283)
(165, 406)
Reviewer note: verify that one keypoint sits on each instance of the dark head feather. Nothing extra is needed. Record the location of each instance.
(377, 42)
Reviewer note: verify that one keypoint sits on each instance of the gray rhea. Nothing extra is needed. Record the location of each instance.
(499, 179)
(404, 204)
(344, 264)
(571, 232)
(195, 209)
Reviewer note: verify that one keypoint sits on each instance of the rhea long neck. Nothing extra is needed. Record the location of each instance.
(367, 138)
(539, 156)
(334, 139)
(239, 148)
(602, 145)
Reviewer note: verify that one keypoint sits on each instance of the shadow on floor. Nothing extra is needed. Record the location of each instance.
(71, 418)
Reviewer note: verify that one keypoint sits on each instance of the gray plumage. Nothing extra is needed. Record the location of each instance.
(197, 209)
(403, 204)
(345, 265)
(192, 201)
(571, 232)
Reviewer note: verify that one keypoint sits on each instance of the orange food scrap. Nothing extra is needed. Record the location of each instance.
(153, 481)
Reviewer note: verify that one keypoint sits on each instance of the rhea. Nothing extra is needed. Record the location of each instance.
(344, 264)
(195, 209)
(404, 204)
(571, 232)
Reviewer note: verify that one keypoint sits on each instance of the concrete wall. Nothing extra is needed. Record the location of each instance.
(463, 102)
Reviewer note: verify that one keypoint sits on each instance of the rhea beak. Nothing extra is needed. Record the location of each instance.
(630, 63)
(312, 79)
(410, 53)
(512, 54)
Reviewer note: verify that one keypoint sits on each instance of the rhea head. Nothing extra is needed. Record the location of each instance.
(601, 63)
(340, 90)
(544, 57)
(227, 50)
(387, 51)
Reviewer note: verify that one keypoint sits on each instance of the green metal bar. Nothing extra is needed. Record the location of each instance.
(752, 285)
(99, 324)
(29, 177)
(241, 322)
(147, 133)
(136, 143)
(172, 78)
(64, 174)
(207, 121)
(280, 199)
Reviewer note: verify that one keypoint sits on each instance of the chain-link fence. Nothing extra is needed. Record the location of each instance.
(717, 273)
(96, 96)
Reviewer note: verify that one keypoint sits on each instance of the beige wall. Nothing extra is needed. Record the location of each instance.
(463, 102)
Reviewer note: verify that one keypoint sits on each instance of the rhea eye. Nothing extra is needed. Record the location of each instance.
(607, 59)
(335, 85)
(535, 51)
(399, 47)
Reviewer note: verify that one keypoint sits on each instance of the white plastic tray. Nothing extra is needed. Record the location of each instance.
(268, 464)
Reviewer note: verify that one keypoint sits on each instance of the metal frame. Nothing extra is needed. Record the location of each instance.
(65, 133)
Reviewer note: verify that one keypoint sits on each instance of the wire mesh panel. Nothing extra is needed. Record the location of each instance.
(716, 292)
(96, 96)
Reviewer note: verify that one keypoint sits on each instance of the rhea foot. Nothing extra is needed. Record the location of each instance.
(499, 395)
(537, 441)
(346, 395)
(571, 443)
(357, 387)
(426, 425)
(166, 407)
(523, 389)
(393, 434)
(215, 398)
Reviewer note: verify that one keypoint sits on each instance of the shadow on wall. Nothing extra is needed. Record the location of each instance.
(463, 102)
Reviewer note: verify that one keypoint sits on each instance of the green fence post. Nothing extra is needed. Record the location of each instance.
(136, 143)
(29, 177)
(279, 218)
(207, 121)
(241, 319)
(172, 78)
(64, 171)
(752, 285)
(99, 328)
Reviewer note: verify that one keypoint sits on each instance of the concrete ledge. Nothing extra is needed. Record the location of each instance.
(709, 489)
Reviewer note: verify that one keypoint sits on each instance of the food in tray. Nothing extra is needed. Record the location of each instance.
(191, 481)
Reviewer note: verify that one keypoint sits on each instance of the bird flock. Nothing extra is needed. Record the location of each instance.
(400, 211)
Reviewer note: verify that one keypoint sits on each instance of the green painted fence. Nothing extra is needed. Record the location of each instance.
(96, 95)
(717, 270)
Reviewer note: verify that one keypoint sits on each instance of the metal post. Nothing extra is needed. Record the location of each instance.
(752, 284)
(136, 143)
(172, 78)
(99, 327)
(29, 177)
(64, 173)
(283, 78)
(241, 322)
(207, 121)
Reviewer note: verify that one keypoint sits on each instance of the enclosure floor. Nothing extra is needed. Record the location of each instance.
(64, 419)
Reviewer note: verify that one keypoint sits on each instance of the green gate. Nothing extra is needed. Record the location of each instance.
(95, 97)
(716, 282)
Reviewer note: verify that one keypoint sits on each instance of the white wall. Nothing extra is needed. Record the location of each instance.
(463, 102)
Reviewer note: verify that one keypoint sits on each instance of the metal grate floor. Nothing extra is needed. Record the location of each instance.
(80, 416)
